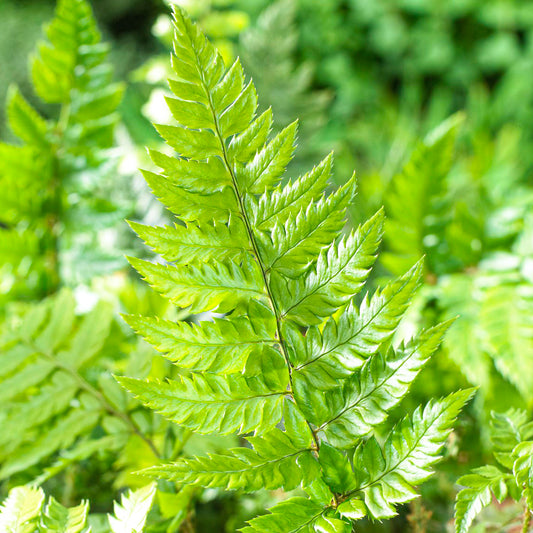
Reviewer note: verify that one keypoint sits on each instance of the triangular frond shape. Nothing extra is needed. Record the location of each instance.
(279, 343)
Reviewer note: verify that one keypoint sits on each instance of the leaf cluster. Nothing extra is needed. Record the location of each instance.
(511, 434)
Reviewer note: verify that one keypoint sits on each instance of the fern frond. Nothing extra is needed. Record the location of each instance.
(294, 347)
(193, 244)
(51, 398)
(293, 243)
(69, 69)
(507, 327)
(480, 486)
(130, 514)
(413, 198)
(207, 403)
(274, 207)
(523, 470)
(20, 511)
(60, 519)
(406, 457)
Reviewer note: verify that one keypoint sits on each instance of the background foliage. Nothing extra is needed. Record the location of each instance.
(369, 79)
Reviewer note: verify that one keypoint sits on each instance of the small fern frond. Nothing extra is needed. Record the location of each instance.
(48, 386)
(412, 201)
(480, 486)
(509, 434)
(20, 511)
(130, 514)
(59, 519)
(69, 69)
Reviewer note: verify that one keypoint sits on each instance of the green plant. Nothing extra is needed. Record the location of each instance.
(28, 510)
(468, 212)
(511, 434)
(268, 52)
(55, 192)
(294, 359)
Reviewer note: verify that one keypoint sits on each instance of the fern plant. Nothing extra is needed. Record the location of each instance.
(511, 435)
(55, 181)
(470, 216)
(268, 52)
(294, 359)
(60, 404)
(28, 510)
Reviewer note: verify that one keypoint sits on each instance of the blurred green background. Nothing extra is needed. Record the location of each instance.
(370, 79)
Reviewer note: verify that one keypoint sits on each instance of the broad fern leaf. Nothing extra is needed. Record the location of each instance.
(341, 271)
(295, 359)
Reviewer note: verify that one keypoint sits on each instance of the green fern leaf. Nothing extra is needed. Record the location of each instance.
(51, 398)
(207, 403)
(347, 340)
(481, 484)
(59, 519)
(223, 345)
(507, 430)
(130, 514)
(25, 122)
(296, 515)
(192, 244)
(20, 511)
(348, 413)
(293, 243)
(274, 462)
(413, 197)
(271, 256)
(387, 476)
(274, 207)
(523, 470)
(205, 287)
(341, 271)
